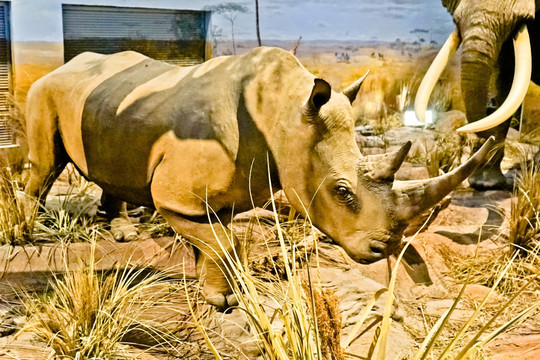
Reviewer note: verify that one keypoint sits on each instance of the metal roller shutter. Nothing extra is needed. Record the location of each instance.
(176, 36)
(6, 138)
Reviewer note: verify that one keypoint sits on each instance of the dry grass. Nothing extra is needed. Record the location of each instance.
(523, 244)
(448, 153)
(289, 319)
(88, 315)
(15, 228)
(445, 340)
(525, 212)
(325, 306)
(485, 323)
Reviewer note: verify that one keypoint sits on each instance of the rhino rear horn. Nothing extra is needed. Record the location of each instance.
(415, 196)
(384, 166)
(352, 90)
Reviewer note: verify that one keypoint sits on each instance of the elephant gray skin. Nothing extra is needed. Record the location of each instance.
(486, 29)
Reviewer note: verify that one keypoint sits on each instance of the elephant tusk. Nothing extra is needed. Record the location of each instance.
(520, 84)
(434, 73)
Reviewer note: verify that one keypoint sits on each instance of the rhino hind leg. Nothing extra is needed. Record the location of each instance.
(116, 212)
(46, 153)
(212, 241)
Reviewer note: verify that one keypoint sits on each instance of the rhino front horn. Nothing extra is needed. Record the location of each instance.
(415, 196)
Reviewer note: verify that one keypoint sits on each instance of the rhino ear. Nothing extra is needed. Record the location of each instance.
(319, 95)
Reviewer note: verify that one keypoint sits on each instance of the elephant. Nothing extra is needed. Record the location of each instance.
(486, 30)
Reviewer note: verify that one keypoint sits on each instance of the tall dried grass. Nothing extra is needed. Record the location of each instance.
(88, 314)
(15, 227)
(522, 245)
(524, 217)
(302, 323)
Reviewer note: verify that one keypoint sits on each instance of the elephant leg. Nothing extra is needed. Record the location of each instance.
(116, 212)
(213, 241)
(490, 176)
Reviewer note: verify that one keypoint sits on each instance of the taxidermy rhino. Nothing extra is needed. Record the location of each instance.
(207, 138)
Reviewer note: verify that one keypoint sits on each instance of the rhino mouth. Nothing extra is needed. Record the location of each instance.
(375, 250)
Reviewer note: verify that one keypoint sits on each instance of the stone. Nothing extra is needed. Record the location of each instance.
(476, 294)
(437, 308)
(409, 171)
(448, 122)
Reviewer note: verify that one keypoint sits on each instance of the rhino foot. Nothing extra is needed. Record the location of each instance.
(489, 179)
(215, 285)
(221, 301)
(123, 230)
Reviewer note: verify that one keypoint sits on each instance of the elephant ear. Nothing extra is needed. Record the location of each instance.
(450, 5)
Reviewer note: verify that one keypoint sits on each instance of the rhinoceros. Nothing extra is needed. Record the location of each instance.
(210, 138)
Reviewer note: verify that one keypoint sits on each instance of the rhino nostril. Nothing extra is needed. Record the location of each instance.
(377, 248)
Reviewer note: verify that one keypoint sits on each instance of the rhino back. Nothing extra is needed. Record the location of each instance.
(125, 115)
(116, 147)
(113, 110)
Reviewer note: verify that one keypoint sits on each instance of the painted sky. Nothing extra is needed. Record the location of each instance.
(386, 20)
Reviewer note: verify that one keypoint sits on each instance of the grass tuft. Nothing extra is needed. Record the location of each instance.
(525, 211)
(15, 227)
(87, 314)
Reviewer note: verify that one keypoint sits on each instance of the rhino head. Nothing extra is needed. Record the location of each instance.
(352, 198)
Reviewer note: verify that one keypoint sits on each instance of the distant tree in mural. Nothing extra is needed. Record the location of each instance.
(217, 35)
(229, 11)
(419, 33)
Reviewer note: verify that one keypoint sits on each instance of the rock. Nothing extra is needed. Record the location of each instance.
(476, 294)
(400, 136)
(515, 347)
(411, 172)
(437, 308)
(31, 266)
(234, 328)
(449, 121)
(371, 142)
(365, 130)
(7, 326)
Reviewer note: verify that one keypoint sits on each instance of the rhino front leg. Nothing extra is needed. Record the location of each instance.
(116, 212)
(212, 241)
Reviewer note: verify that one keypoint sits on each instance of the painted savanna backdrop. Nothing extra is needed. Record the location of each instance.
(466, 287)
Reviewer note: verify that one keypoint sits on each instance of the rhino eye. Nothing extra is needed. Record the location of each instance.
(344, 194)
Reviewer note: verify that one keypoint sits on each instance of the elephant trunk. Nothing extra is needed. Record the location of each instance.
(477, 61)
(480, 51)
(472, 72)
